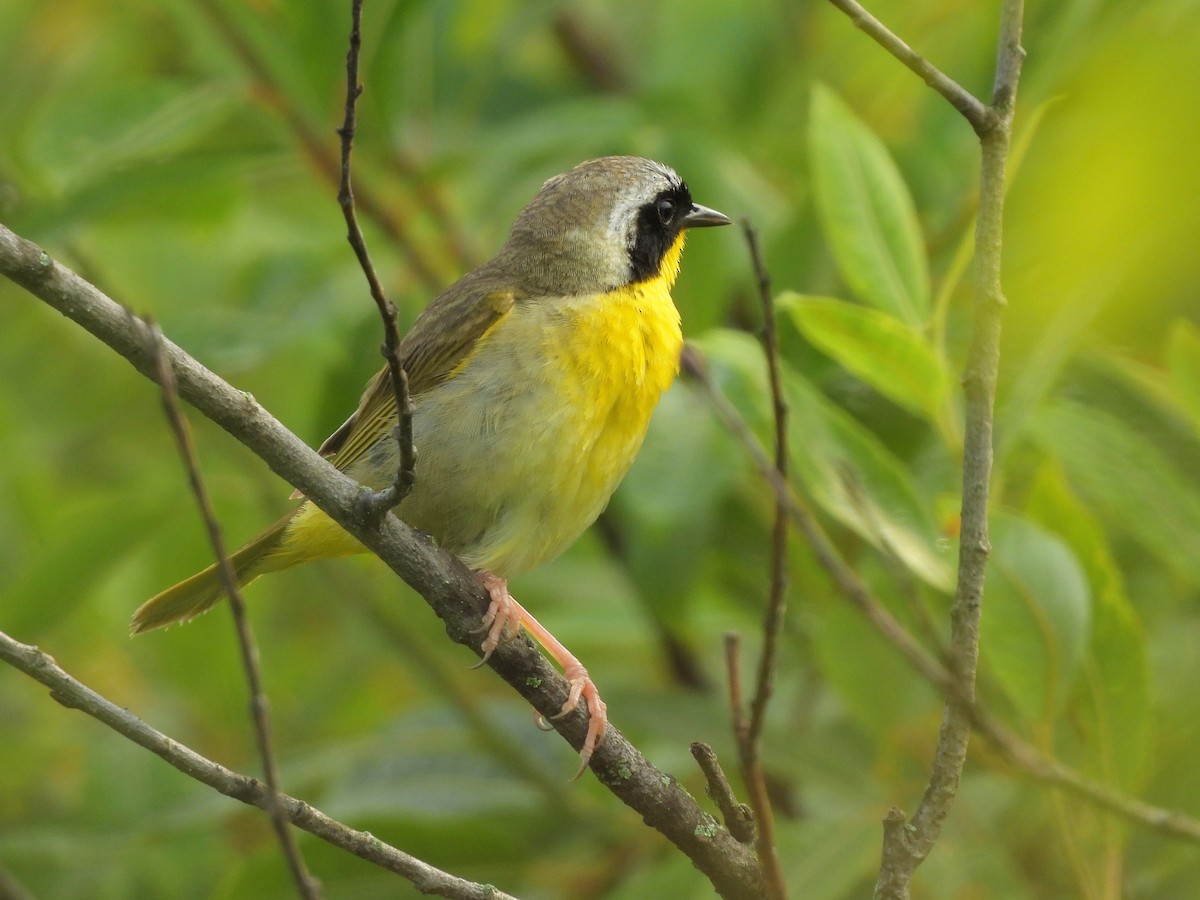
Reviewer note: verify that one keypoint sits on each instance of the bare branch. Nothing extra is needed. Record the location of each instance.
(445, 583)
(749, 733)
(752, 772)
(75, 695)
(1030, 761)
(260, 711)
(979, 391)
(376, 504)
(589, 51)
(982, 118)
(11, 888)
(777, 602)
(738, 817)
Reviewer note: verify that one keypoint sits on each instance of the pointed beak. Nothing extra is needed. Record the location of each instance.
(703, 217)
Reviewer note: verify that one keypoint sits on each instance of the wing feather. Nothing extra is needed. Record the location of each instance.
(441, 340)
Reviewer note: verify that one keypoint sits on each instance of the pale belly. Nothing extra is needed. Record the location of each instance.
(519, 453)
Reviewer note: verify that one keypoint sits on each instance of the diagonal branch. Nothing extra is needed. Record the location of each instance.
(444, 582)
(75, 695)
(982, 118)
(845, 579)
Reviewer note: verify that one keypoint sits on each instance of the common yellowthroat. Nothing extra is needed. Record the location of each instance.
(533, 379)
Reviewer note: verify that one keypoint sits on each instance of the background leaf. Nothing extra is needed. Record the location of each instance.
(1115, 687)
(1139, 489)
(842, 465)
(888, 355)
(1183, 361)
(866, 211)
(1037, 620)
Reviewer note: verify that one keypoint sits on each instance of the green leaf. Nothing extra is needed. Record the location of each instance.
(845, 468)
(1036, 617)
(438, 776)
(1128, 478)
(87, 136)
(889, 355)
(866, 211)
(829, 857)
(1115, 720)
(870, 678)
(857, 480)
(1183, 363)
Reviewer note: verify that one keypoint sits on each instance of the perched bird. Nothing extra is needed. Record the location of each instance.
(533, 380)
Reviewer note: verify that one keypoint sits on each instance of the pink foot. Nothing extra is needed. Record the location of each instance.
(505, 616)
(583, 686)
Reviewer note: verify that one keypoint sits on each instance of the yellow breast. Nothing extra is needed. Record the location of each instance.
(522, 448)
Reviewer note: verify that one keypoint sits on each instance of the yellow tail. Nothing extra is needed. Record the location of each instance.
(304, 534)
(198, 594)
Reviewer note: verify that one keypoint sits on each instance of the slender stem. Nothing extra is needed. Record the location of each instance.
(750, 737)
(777, 603)
(260, 710)
(982, 118)
(375, 504)
(907, 844)
(752, 773)
(979, 389)
(845, 579)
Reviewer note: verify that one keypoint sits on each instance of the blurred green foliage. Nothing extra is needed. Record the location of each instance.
(177, 154)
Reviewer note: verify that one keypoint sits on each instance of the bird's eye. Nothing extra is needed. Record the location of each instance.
(666, 210)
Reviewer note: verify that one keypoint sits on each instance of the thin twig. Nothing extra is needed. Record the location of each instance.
(375, 504)
(750, 741)
(752, 772)
(11, 888)
(982, 118)
(777, 603)
(979, 391)
(260, 710)
(586, 47)
(76, 695)
(738, 817)
(733, 677)
(444, 582)
(1030, 761)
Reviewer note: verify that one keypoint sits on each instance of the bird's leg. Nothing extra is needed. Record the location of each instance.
(503, 616)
